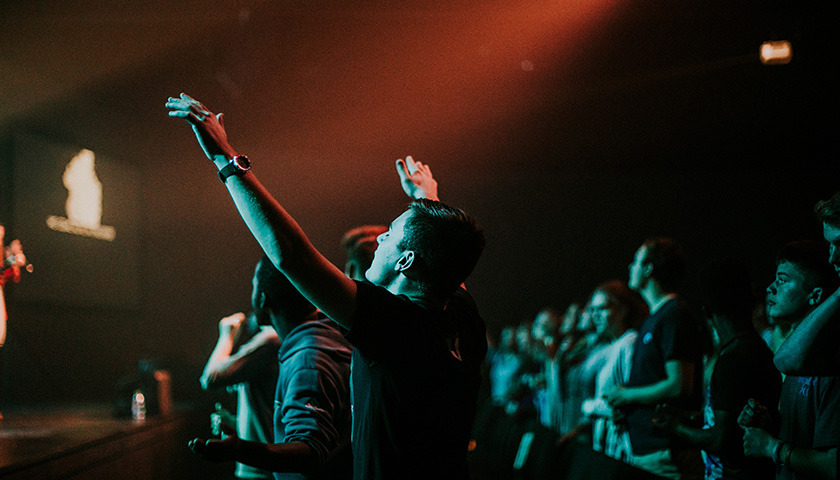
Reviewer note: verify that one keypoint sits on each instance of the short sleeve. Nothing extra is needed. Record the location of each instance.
(827, 429)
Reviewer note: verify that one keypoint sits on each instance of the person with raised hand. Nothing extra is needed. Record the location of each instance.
(418, 338)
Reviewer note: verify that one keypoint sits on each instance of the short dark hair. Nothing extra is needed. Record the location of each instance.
(360, 244)
(668, 259)
(634, 306)
(279, 291)
(726, 289)
(446, 241)
(828, 211)
(812, 257)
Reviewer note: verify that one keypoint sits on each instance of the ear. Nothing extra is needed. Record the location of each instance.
(405, 261)
(815, 297)
(261, 299)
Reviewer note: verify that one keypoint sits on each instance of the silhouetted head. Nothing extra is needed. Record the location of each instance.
(359, 245)
(273, 293)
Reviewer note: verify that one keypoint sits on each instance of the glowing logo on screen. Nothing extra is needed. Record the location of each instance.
(84, 200)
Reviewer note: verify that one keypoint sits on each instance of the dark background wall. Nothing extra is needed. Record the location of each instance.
(571, 130)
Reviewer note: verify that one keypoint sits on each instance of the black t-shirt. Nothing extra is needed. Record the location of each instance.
(671, 333)
(744, 370)
(413, 397)
(810, 409)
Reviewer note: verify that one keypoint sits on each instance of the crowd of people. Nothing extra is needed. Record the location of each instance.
(634, 372)
(683, 392)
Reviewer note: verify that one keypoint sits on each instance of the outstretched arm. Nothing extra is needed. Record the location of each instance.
(811, 350)
(279, 235)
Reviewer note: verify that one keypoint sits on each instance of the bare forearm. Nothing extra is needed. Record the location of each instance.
(813, 463)
(654, 393)
(810, 349)
(295, 457)
(216, 362)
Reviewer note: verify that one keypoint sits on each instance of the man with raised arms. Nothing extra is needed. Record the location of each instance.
(418, 338)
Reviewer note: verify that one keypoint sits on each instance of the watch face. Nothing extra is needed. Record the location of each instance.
(242, 162)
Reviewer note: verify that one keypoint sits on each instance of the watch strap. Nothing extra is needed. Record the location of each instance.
(228, 170)
(238, 165)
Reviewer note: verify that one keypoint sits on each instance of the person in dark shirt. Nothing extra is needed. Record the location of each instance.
(814, 347)
(311, 408)
(667, 361)
(405, 320)
(806, 447)
(744, 369)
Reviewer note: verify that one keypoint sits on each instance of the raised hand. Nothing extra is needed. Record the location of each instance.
(208, 127)
(416, 179)
(229, 325)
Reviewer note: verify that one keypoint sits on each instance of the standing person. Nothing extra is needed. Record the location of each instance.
(311, 416)
(807, 442)
(814, 347)
(3, 314)
(667, 362)
(616, 311)
(244, 360)
(744, 369)
(419, 341)
(13, 260)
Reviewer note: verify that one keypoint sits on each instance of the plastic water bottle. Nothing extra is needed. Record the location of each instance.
(138, 405)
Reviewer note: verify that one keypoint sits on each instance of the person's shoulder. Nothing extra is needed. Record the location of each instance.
(627, 339)
(368, 294)
(312, 337)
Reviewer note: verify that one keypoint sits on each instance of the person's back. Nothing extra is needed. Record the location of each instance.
(315, 357)
(415, 381)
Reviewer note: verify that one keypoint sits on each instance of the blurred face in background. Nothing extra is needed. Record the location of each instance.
(546, 331)
(507, 339)
(524, 341)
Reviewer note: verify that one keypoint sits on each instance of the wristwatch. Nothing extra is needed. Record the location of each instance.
(239, 165)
